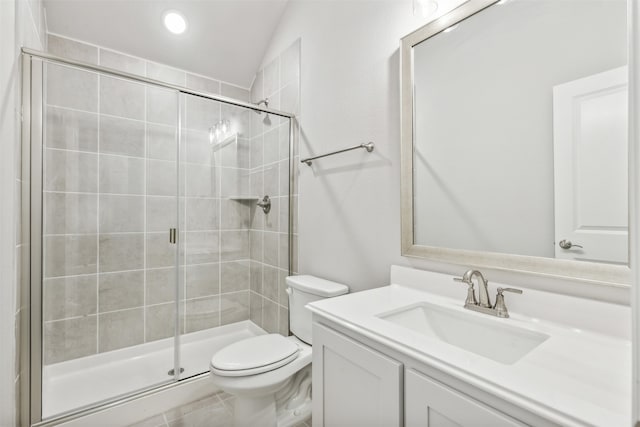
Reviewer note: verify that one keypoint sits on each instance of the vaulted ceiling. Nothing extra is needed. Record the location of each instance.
(225, 39)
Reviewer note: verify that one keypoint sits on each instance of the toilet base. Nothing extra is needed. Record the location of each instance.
(289, 406)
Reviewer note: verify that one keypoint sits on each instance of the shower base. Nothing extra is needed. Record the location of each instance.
(83, 382)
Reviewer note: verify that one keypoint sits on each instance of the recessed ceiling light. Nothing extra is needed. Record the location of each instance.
(174, 21)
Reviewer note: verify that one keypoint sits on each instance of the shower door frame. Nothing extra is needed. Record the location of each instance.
(30, 288)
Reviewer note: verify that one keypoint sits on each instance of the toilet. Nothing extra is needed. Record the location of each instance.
(270, 375)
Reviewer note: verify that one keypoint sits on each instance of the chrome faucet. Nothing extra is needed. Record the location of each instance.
(499, 309)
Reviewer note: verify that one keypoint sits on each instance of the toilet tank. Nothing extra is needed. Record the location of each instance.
(305, 289)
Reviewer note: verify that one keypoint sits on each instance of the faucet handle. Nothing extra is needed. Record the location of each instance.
(471, 295)
(500, 307)
(514, 290)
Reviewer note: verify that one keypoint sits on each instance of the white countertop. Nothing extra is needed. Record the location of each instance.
(576, 377)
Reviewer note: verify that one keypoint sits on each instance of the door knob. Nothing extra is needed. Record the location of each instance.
(566, 244)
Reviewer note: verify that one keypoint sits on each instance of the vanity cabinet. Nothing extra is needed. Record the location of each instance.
(353, 385)
(430, 403)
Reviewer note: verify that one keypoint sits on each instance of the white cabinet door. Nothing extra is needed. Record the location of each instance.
(353, 385)
(431, 404)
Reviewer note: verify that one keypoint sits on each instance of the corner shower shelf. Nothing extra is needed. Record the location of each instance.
(244, 197)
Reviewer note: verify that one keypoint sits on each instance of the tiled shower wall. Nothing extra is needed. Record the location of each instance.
(109, 181)
(279, 81)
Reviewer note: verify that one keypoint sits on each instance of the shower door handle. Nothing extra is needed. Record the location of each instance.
(173, 235)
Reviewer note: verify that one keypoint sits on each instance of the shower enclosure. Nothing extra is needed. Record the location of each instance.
(146, 236)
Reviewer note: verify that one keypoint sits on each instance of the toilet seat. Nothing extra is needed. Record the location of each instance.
(254, 356)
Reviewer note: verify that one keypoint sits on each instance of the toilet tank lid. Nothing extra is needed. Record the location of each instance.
(317, 286)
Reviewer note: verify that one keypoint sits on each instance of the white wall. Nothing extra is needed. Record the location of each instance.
(349, 220)
(484, 177)
(21, 24)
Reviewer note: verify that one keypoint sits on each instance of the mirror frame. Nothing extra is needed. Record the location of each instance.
(596, 273)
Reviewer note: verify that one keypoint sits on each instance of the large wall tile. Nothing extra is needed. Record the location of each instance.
(121, 213)
(271, 146)
(255, 245)
(70, 171)
(270, 283)
(202, 113)
(160, 321)
(160, 252)
(235, 276)
(72, 49)
(202, 214)
(166, 74)
(66, 297)
(203, 247)
(70, 213)
(161, 213)
(121, 175)
(270, 316)
(69, 255)
(160, 285)
(234, 182)
(202, 280)
(202, 313)
(72, 88)
(271, 248)
(162, 142)
(118, 61)
(271, 180)
(162, 106)
(234, 245)
(255, 308)
(234, 307)
(235, 214)
(71, 129)
(122, 136)
(283, 321)
(203, 84)
(256, 277)
(123, 98)
(161, 178)
(69, 339)
(121, 290)
(120, 252)
(120, 329)
(202, 181)
(199, 148)
(235, 92)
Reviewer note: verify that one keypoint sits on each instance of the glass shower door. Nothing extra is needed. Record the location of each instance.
(109, 267)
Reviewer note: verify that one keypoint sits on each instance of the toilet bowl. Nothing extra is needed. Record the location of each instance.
(270, 375)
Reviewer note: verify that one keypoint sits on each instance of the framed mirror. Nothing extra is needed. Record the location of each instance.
(515, 138)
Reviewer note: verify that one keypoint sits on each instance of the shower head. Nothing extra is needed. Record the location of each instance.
(267, 120)
(262, 101)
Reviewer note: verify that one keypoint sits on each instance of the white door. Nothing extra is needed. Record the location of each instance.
(591, 164)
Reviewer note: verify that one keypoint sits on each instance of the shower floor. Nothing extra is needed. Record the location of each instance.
(85, 381)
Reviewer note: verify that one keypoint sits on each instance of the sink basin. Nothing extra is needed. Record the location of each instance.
(487, 337)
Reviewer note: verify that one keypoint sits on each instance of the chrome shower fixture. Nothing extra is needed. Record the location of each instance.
(267, 119)
(262, 101)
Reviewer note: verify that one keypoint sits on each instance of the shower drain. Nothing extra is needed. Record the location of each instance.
(172, 372)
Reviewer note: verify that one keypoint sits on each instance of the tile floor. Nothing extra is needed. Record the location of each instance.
(212, 411)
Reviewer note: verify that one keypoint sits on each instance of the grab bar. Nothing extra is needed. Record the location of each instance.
(368, 146)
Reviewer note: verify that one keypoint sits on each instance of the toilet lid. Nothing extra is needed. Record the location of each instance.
(254, 355)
